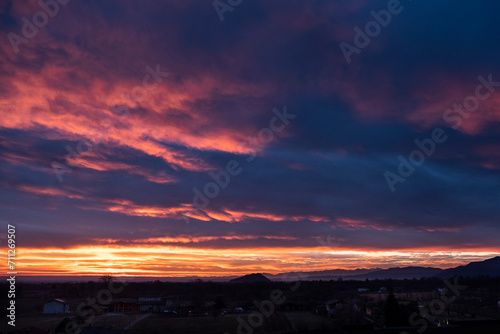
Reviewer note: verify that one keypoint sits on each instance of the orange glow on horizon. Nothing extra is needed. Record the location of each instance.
(176, 261)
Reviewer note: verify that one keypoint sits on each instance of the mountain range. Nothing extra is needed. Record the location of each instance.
(489, 267)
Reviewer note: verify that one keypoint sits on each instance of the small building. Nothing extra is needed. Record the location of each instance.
(123, 305)
(57, 306)
(151, 304)
(333, 305)
(375, 313)
(170, 304)
(382, 290)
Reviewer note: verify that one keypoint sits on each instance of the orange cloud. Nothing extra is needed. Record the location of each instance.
(49, 191)
(49, 99)
(102, 165)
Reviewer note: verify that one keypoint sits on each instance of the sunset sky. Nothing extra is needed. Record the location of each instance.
(117, 115)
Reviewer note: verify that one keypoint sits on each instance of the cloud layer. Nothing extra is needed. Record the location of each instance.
(113, 113)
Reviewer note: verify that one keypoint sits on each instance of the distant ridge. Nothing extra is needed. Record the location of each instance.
(363, 274)
(250, 279)
(402, 273)
(490, 267)
(337, 273)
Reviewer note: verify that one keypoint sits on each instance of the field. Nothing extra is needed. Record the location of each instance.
(279, 322)
(44, 322)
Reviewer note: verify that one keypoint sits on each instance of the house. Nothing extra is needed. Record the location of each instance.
(151, 304)
(170, 304)
(57, 306)
(332, 305)
(123, 305)
(382, 290)
(375, 313)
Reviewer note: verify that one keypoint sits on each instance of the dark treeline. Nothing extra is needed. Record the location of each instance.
(304, 290)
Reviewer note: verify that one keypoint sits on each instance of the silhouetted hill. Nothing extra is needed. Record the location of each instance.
(490, 267)
(250, 279)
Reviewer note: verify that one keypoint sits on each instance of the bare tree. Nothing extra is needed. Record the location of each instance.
(106, 279)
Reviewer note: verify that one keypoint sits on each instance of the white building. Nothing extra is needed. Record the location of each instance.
(57, 306)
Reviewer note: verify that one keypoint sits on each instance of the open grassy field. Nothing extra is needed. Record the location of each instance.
(308, 322)
(114, 320)
(279, 322)
(46, 322)
(42, 321)
(187, 325)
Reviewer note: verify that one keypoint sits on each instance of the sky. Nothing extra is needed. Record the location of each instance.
(212, 138)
